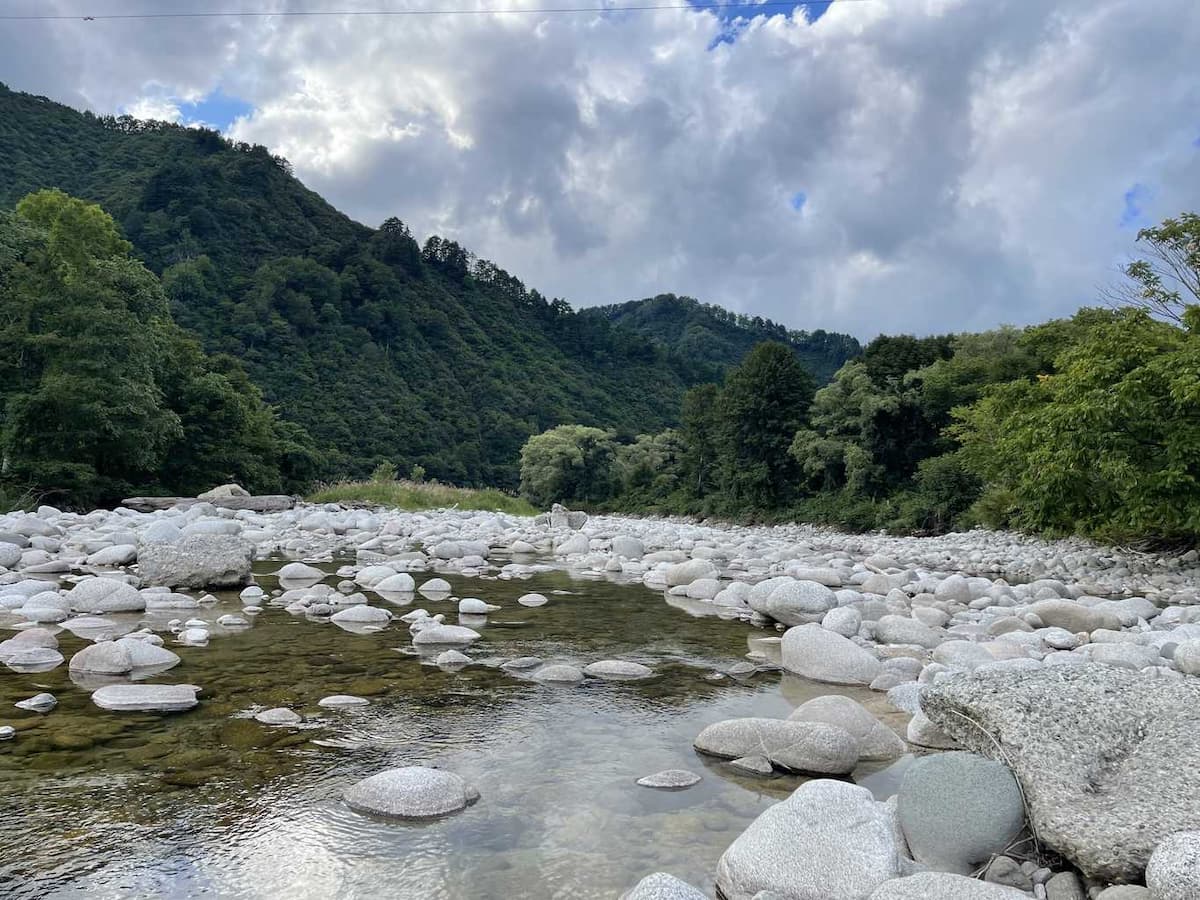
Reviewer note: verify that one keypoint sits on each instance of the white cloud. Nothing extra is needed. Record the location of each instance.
(964, 161)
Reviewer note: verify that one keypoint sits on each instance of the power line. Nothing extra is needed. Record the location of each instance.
(262, 14)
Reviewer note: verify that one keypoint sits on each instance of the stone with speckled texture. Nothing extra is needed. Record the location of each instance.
(944, 886)
(661, 886)
(829, 839)
(1174, 869)
(670, 779)
(875, 740)
(1097, 750)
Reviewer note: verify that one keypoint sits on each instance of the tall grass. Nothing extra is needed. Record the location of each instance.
(423, 495)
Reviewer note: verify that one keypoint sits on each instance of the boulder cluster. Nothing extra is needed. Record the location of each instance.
(1050, 686)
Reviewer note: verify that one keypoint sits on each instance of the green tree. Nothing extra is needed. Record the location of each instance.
(81, 346)
(889, 357)
(1110, 442)
(839, 448)
(570, 463)
(102, 392)
(763, 404)
(648, 470)
(700, 433)
(1167, 283)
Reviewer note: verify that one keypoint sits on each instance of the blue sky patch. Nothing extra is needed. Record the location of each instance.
(798, 200)
(738, 16)
(217, 109)
(1133, 215)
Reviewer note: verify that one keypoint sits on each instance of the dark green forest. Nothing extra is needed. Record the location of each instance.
(710, 334)
(1084, 425)
(374, 347)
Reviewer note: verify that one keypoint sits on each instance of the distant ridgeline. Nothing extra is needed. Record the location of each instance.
(382, 349)
(706, 334)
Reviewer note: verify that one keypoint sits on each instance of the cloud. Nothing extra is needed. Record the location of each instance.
(963, 162)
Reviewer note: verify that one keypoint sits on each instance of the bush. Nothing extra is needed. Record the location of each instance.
(384, 472)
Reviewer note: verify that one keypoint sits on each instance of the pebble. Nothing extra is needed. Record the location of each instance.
(670, 779)
(38, 703)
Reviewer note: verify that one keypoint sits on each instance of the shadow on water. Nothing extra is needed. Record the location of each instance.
(211, 802)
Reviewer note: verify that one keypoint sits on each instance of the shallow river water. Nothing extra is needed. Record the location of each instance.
(211, 803)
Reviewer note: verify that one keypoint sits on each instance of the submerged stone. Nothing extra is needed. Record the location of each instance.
(412, 792)
(670, 779)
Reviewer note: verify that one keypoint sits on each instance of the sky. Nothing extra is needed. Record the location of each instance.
(867, 166)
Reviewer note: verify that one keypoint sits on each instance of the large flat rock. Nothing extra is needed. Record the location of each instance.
(1105, 755)
(197, 561)
(146, 697)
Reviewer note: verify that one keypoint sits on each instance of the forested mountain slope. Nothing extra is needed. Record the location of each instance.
(709, 335)
(381, 348)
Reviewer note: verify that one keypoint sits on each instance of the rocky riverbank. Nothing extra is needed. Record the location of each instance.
(1059, 676)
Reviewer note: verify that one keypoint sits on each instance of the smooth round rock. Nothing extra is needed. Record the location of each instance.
(521, 663)
(280, 715)
(812, 747)
(828, 840)
(297, 571)
(670, 779)
(1173, 872)
(105, 658)
(618, 670)
(452, 659)
(821, 655)
(361, 614)
(412, 792)
(473, 606)
(103, 595)
(558, 674)
(957, 810)
(33, 660)
(400, 583)
(661, 886)
(944, 886)
(445, 634)
(435, 587)
(533, 600)
(875, 740)
(342, 701)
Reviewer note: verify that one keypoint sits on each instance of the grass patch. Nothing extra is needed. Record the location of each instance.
(423, 495)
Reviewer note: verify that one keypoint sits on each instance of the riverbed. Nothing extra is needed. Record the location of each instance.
(211, 802)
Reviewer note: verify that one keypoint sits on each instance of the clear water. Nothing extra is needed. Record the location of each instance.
(210, 803)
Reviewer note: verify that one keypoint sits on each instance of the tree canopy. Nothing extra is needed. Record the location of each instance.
(102, 392)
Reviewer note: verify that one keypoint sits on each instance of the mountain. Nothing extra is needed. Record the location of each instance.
(382, 349)
(708, 335)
